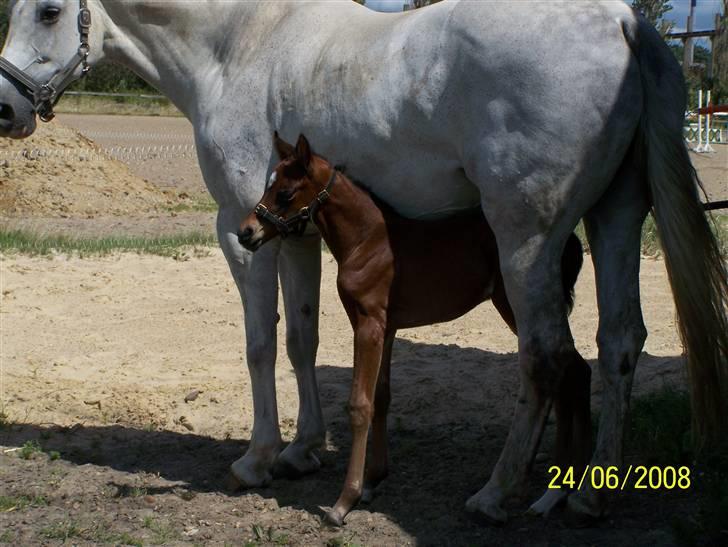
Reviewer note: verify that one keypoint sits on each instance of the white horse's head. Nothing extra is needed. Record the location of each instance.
(43, 43)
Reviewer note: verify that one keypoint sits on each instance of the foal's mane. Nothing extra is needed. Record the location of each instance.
(343, 171)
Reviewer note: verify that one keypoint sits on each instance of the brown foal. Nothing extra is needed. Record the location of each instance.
(397, 273)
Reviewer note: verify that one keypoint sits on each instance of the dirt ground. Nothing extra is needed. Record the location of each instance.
(98, 354)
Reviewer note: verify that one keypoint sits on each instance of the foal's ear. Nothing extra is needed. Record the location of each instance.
(283, 149)
(303, 151)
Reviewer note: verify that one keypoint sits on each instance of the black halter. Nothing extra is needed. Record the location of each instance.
(45, 96)
(298, 222)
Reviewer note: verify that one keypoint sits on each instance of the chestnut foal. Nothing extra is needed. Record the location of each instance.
(397, 273)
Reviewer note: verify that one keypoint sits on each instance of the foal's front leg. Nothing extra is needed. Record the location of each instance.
(368, 345)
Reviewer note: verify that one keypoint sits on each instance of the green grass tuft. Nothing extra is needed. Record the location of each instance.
(651, 241)
(18, 241)
(29, 450)
(659, 433)
(13, 503)
(62, 530)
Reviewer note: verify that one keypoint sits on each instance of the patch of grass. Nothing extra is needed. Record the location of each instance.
(62, 530)
(203, 204)
(267, 536)
(4, 420)
(659, 431)
(125, 491)
(29, 450)
(7, 537)
(651, 241)
(116, 105)
(13, 503)
(101, 535)
(342, 541)
(660, 428)
(18, 241)
(163, 533)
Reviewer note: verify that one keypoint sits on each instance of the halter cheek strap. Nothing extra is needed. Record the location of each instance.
(45, 96)
(297, 223)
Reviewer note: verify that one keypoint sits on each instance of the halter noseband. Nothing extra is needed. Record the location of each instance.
(298, 222)
(45, 96)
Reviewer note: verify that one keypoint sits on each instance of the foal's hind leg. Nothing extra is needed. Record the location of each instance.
(614, 230)
(378, 466)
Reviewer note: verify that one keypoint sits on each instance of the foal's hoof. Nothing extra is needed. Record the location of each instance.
(333, 518)
(295, 463)
(485, 510)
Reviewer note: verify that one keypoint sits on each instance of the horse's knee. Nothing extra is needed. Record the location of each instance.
(260, 353)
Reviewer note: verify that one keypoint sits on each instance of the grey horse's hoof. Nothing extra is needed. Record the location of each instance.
(242, 476)
(484, 510)
(293, 464)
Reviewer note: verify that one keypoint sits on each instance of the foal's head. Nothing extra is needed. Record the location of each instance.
(290, 197)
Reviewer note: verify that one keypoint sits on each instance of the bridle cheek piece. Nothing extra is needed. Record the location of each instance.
(296, 224)
(45, 96)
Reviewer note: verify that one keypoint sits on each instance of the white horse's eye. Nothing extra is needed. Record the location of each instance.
(50, 15)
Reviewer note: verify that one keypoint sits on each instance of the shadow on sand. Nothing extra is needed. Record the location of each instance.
(443, 447)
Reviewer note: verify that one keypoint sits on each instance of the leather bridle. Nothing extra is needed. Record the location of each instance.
(45, 96)
(296, 224)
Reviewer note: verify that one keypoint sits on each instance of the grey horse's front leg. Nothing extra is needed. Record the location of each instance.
(256, 277)
(300, 274)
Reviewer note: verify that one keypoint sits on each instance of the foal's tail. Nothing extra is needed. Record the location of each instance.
(571, 263)
(696, 270)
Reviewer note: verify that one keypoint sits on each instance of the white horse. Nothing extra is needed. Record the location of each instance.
(541, 112)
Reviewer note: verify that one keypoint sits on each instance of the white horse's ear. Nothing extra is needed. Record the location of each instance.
(303, 150)
(283, 149)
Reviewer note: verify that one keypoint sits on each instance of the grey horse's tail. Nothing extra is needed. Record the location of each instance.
(696, 270)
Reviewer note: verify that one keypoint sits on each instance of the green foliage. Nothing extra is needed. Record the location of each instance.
(29, 450)
(18, 503)
(655, 11)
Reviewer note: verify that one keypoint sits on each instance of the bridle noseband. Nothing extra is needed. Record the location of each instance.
(45, 96)
(296, 224)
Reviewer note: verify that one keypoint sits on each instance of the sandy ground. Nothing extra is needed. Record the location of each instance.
(98, 355)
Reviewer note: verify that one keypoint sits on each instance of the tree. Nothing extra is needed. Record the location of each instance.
(654, 11)
(720, 58)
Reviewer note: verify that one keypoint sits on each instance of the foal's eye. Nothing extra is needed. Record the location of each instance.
(284, 197)
(50, 15)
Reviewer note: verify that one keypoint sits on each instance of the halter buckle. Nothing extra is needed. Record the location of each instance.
(84, 18)
(45, 94)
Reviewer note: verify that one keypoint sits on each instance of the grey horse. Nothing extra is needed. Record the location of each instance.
(542, 113)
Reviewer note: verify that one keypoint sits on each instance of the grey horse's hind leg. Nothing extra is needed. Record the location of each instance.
(531, 265)
(300, 272)
(573, 432)
(614, 228)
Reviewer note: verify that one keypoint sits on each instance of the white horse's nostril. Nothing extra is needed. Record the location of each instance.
(6, 112)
